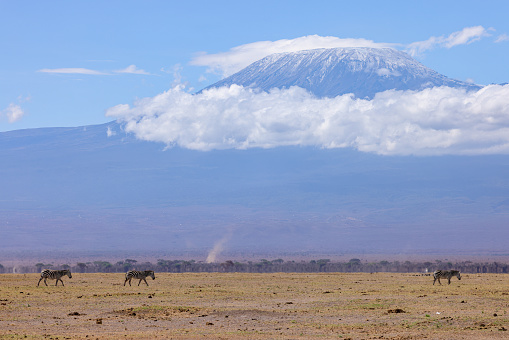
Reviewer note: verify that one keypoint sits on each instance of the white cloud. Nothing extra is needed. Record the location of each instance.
(132, 69)
(73, 70)
(24, 99)
(502, 37)
(13, 112)
(177, 77)
(110, 132)
(384, 72)
(466, 36)
(430, 122)
(227, 63)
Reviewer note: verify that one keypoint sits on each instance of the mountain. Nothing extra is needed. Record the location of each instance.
(96, 189)
(331, 72)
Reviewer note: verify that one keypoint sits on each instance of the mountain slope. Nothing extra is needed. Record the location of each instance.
(78, 189)
(362, 71)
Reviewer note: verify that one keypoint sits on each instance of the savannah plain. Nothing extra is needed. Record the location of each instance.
(256, 306)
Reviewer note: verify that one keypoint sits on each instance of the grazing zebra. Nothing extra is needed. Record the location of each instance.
(140, 275)
(446, 274)
(54, 275)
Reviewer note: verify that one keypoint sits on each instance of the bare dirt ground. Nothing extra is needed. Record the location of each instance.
(255, 306)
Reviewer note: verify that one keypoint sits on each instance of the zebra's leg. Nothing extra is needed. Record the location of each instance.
(139, 282)
(45, 281)
(62, 282)
(125, 281)
(449, 280)
(145, 281)
(39, 281)
(439, 281)
(434, 279)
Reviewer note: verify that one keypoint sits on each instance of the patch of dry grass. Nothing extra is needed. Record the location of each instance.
(256, 306)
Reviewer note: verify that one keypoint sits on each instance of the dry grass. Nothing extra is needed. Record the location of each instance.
(255, 306)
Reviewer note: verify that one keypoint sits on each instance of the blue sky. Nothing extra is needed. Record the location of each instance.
(66, 63)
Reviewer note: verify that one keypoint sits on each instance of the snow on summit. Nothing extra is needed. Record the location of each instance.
(363, 71)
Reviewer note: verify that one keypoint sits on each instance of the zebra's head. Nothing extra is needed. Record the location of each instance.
(458, 275)
(151, 274)
(68, 273)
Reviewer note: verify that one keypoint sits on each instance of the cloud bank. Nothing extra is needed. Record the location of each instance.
(434, 121)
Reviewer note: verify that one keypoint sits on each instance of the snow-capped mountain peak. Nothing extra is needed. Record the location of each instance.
(331, 72)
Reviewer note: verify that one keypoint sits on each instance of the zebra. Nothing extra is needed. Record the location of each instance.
(446, 274)
(54, 275)
(140, 275)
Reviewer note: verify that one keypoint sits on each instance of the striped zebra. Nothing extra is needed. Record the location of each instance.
(140, 275)
(54, 275)
(448, 274)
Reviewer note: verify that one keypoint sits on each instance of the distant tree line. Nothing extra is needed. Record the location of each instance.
(268, 266)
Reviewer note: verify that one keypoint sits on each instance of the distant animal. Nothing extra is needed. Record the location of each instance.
(448, 274)
(140, 275)
(54, 275)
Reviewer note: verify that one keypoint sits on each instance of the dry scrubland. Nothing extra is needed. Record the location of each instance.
(256, 306)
